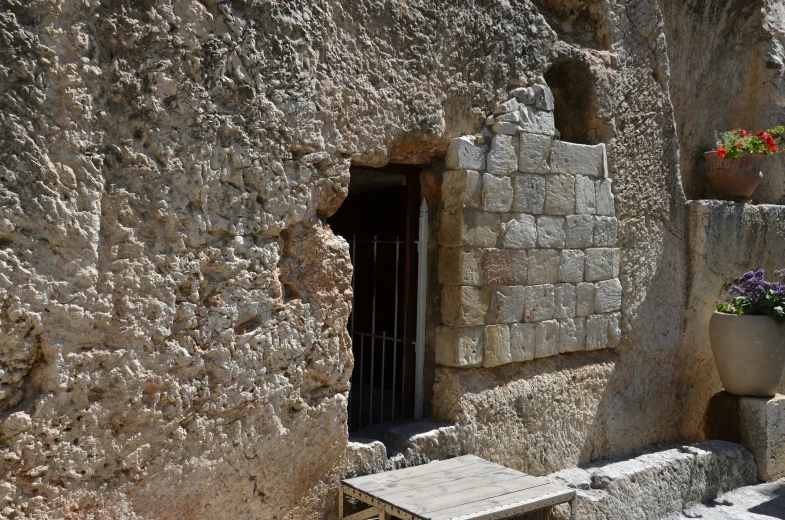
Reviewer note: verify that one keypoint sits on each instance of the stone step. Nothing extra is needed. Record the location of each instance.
(760, 502)
(655, 485)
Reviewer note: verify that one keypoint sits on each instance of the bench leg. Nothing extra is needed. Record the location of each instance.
(574, 508)
(383, 515)
(340, 502)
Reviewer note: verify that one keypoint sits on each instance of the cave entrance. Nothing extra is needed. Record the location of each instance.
(379, 219)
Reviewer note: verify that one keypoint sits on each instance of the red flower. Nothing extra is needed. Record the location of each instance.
(773, 148)
(722, 152)
(739, 144)
(743, 133)
(760, 133)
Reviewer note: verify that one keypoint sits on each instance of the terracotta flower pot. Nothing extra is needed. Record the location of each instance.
(749, 352)
(734, 179)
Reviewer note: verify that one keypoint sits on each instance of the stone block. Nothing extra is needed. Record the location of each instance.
(496, 349)
(584, 299)
(511, 105)
(571, 264)
(603, 331)
(572, 334)
(538, 303)
(462, 153)
(564, 300)
(578, 159)
(468, 227)
(550, 231)
(461, 189)
(607, 296)
(459, 346)
(496, 193)
(606, 231)
(519, 231)
(537, 121)
(585, 197)
(543, 266)
(509, 117)
(602, 264)
(505, 267)
(506, 304)
(580, 231)
(462, 306)
(503, 157)
(460, 266)
(763, 433)
(661, 484)
(505, 127)
(522, 341)
(524, 95)
(758, 423)
(559, 194)
(528, 193)
(546, 339)
(543, 97)
(604, 195)
(535, 153)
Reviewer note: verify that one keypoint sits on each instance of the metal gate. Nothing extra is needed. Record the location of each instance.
(387, 363)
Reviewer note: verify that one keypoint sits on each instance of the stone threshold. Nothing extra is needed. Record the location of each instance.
(400, 445)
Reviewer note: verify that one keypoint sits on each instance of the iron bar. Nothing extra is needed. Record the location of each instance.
(395, 325)
(381, 404)
(422, 271)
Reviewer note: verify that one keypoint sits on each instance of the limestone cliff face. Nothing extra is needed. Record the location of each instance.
(727, 60)
(172, 306)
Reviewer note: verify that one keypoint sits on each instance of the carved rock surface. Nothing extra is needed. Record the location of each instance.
(172, 308)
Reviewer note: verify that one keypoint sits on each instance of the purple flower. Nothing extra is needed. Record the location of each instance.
(780, 273)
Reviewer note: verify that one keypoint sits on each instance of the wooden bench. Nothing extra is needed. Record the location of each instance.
(463, 488)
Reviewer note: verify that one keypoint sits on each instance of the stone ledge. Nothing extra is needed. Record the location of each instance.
(757, 423)
(657, 484)
(409, 444)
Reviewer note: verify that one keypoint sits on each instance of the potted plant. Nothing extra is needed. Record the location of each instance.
(747, 334)
(734, 167)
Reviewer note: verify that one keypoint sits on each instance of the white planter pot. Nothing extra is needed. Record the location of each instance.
(749, 352)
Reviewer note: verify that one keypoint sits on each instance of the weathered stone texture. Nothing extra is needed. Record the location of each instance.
(529, 193)
(172, 308)
(535, 153)
(505, 267)
(461, 189)
(519, 231)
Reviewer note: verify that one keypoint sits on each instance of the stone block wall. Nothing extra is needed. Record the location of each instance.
(529, 257)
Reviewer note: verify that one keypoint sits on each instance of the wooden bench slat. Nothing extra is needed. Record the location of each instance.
(382, 489)
(463, 488)
(426, 504)
(423, 469)
(520, 501)
(459, 485)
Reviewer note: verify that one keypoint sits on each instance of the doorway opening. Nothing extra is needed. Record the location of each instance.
(379, 219)
(572, 86)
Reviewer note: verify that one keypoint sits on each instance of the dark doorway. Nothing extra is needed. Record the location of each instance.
(379, 220)
(571, 83)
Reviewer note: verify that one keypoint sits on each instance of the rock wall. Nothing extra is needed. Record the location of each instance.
(727, 240)
(727, 60)
(172, 306)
